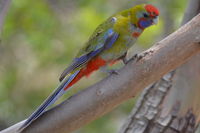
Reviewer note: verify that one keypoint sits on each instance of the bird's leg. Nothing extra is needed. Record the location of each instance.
(109, 71)
(123, 58)
(126, 61)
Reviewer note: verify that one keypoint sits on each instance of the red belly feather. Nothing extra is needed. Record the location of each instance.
(91, 66)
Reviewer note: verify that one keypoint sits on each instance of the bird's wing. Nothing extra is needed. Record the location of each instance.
(110, 39)
(100, 40)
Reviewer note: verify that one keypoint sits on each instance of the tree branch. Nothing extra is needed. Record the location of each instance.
(192, 10)
(153, 99)
(102, 97)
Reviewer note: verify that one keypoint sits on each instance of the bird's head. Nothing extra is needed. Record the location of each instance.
(144, 15)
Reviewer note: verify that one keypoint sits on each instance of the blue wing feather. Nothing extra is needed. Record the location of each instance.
(49, 101)
(106, 41)
(109, 39)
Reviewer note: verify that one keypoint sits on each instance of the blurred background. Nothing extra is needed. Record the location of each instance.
(39, 40)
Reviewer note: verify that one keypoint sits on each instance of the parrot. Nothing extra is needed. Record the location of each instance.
(108, 44)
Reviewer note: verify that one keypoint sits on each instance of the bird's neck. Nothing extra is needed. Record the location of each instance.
(130, 15)
(134, 27)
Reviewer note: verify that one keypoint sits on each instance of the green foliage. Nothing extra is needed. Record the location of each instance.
(41, 37)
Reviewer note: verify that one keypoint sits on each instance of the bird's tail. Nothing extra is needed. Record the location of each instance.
(59, 91)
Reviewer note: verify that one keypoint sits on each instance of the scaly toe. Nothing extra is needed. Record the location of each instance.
(116, 72)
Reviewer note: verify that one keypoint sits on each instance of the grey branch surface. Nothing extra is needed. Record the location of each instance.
(141, 119)
(104, 96)
(180, 86)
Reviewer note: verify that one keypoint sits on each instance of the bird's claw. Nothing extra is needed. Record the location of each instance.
(126, 61)
(109, 71)
(138, 57)
(112, 71)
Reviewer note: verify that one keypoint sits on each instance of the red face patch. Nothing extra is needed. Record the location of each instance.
(152, 10)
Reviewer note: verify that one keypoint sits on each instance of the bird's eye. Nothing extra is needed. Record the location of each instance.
(154, 14)
(145, 15)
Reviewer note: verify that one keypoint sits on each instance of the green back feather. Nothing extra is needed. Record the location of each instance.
(121, 26)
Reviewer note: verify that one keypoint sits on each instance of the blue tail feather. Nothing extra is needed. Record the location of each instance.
(49, 101)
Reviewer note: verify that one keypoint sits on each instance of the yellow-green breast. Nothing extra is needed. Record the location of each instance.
(125, 40)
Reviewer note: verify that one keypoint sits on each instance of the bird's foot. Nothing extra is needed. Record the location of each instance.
(113, 71)
(109, 71)
(126, 61)
(142, 55)
(138, 57)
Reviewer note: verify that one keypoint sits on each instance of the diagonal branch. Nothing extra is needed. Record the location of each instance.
(102, 97)
(149, 108)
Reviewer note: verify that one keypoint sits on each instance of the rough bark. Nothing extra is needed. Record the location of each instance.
(102, 97)
(170, 106)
